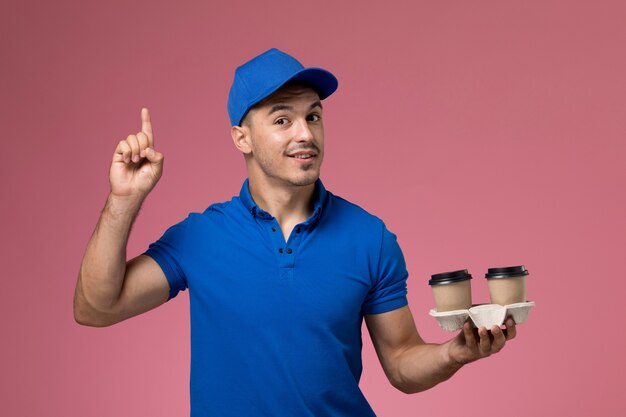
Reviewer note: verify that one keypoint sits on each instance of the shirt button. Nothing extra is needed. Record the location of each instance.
(280, 250)
(289, 250)
(273, 229)
(297, 230)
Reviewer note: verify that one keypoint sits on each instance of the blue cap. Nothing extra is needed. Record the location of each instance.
(266, 73)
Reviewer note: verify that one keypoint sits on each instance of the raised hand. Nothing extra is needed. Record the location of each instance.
(136, 166)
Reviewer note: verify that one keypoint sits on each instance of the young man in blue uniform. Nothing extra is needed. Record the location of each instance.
(280, 277)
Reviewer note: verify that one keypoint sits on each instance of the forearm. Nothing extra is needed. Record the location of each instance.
(104, 263)
(425, 365)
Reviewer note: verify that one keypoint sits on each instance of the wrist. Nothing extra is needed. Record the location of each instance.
(448, 361)
(125, 200)
(122, 206)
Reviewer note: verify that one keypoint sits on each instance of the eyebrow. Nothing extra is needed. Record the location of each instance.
(283, 106)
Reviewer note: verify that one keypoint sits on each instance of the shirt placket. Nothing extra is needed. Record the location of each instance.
(285, 251)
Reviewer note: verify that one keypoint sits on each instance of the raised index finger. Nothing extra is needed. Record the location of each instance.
(146, 126)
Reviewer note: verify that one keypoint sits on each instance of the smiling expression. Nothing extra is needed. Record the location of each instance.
(283, 137)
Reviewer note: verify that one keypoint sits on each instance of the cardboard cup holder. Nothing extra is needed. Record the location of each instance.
(487, 315)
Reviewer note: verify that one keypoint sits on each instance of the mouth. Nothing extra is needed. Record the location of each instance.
(304, 156)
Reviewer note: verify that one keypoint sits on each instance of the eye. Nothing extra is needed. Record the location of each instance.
(314, 117)
(281, 121)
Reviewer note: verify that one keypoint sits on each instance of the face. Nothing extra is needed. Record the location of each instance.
(285, 137)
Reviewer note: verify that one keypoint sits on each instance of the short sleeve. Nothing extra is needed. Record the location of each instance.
(168, 252)
(389, 290)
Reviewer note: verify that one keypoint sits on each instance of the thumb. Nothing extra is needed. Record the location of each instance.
(155, 158)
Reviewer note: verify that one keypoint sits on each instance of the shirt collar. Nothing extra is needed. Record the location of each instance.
(319, 198)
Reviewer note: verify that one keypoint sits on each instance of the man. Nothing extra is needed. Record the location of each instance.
(280, 277)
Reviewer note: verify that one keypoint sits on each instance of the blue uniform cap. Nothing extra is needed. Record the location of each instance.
(264, 74)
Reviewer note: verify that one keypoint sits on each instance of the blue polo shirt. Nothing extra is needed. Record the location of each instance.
(275, 324)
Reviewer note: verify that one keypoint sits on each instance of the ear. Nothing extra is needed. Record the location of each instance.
(241, 138)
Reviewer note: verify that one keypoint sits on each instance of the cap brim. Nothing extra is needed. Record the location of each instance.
(324, 82)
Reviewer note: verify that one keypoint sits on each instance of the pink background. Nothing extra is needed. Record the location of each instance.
(484, 133)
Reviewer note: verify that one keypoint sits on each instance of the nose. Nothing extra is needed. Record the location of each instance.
(302, 131)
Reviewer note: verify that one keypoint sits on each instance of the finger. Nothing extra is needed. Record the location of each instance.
(134, 147)
(511, 330)
(468, 332)
(484, 345)
(122, 152)
(142, 138)
(498, 339)
(146, 125)
(156, 158)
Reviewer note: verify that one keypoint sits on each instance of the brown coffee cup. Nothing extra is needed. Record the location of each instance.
(507, 285)
(452, 290)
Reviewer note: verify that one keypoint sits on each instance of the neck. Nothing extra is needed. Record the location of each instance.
(287, 203)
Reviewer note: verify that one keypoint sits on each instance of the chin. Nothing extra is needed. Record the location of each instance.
(305, 180)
